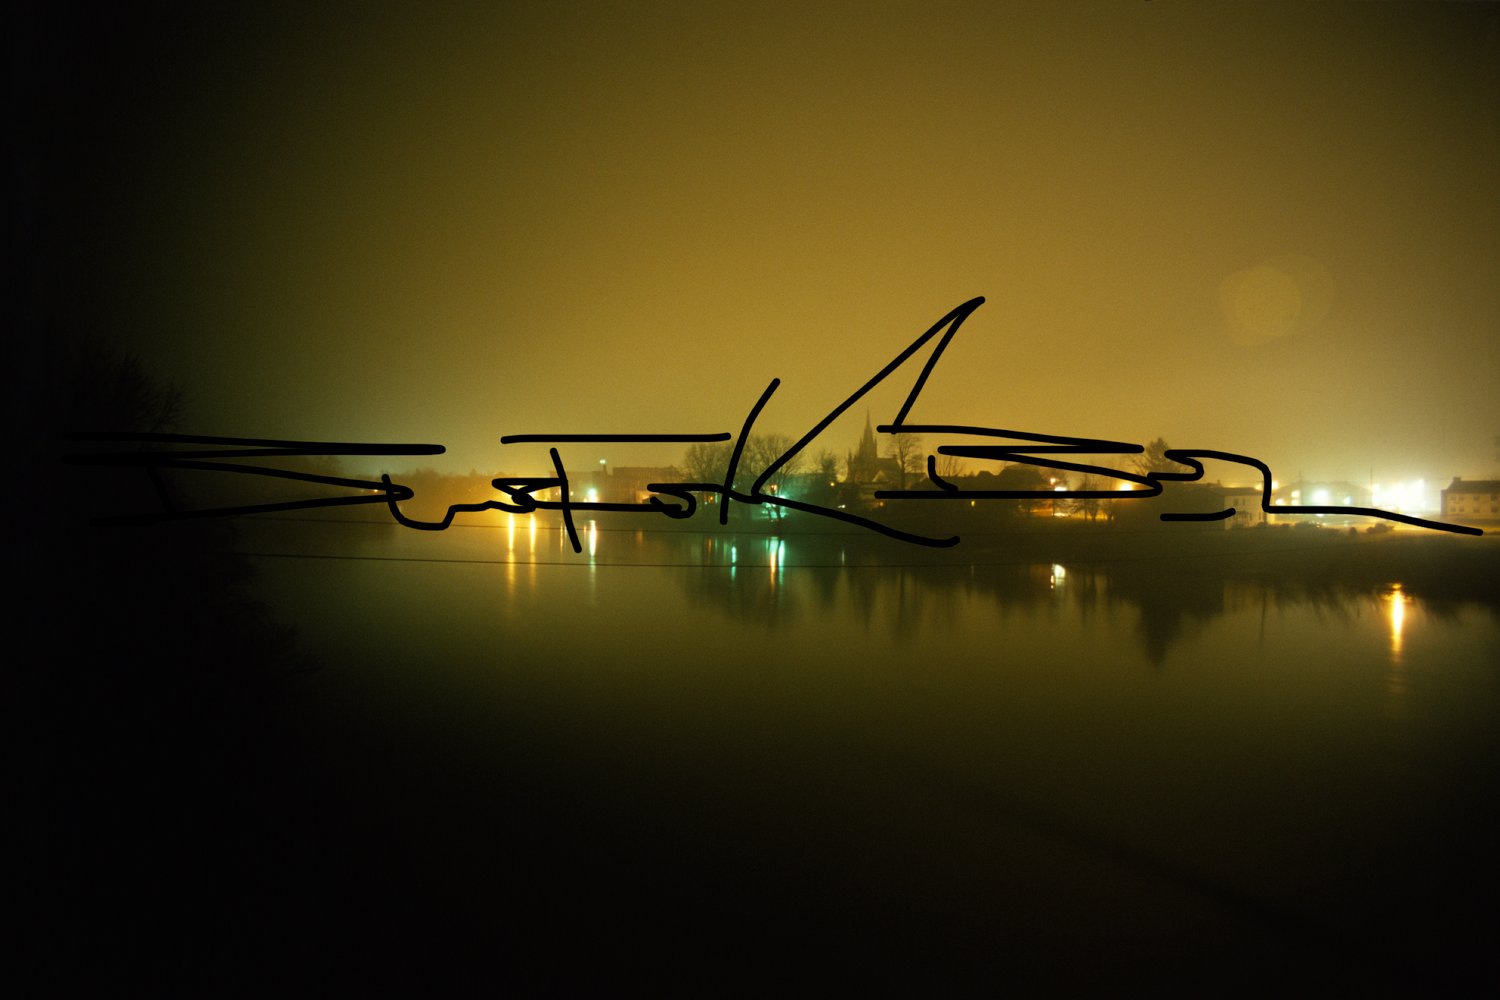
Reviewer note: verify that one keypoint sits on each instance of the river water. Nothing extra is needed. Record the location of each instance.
(738, 762)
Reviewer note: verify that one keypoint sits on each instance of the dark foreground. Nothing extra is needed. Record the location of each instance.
(414, 861)
(219, 815)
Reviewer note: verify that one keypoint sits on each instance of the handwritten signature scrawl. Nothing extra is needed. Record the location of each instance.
(679, 500)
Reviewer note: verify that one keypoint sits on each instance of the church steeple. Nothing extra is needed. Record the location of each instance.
(866, 460)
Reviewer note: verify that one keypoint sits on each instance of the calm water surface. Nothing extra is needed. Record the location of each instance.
(701, 760)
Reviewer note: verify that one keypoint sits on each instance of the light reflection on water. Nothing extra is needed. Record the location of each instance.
(1397, 606)
(1397, 601)
(1316, 750)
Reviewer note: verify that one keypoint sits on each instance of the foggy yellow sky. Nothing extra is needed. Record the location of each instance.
(1267, 229)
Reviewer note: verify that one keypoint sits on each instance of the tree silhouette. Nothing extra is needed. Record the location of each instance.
(1090, 507)
(828, 467)
(948, 466)
(1154, 459)
(708, 463)
(154, 674)
(100, 389)
(1018, 476)
(763, 449)
(910, 454)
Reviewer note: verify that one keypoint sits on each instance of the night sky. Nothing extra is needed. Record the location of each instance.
(1268, 229)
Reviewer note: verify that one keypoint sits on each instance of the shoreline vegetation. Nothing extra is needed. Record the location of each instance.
(1339, 550)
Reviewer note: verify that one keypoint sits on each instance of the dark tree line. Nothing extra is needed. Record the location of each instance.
(149, 678)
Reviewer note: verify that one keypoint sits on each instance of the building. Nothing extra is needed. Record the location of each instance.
(1472, 500)
(866, 466)
(1325, 493)
(628, 483)
(1246, 502)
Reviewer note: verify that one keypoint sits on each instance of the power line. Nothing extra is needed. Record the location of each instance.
(583, 563)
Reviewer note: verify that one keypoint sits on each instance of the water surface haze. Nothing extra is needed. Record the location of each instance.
(737, 760)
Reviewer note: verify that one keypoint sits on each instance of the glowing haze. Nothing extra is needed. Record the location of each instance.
(1264, 229)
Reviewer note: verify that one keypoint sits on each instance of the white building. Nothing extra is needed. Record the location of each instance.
(1472, 500)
